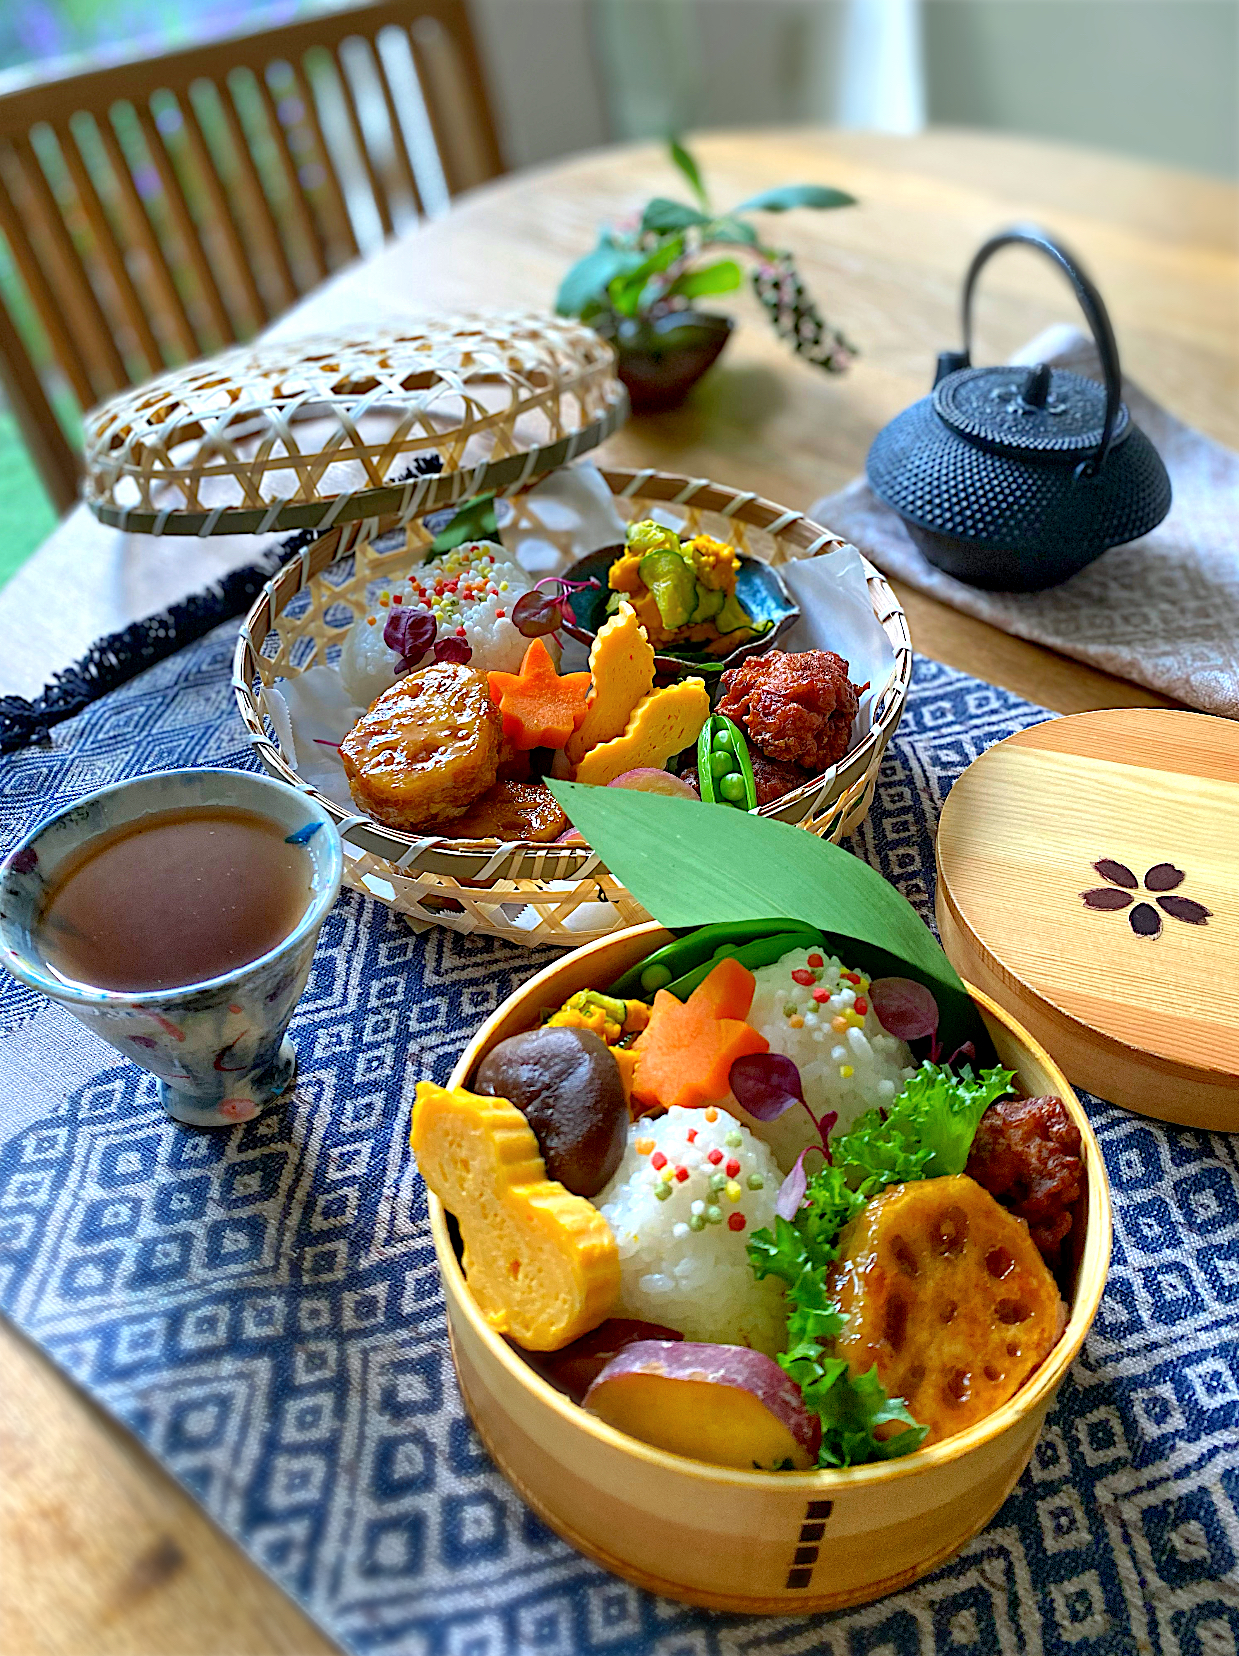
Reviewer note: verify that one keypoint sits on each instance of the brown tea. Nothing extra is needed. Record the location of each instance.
(173, 898)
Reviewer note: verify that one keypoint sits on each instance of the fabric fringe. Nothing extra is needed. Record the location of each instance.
(121, 656)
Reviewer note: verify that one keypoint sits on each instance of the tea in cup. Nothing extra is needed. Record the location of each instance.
(176, 915)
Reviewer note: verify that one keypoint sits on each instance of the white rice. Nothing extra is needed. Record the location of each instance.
(368, 665)
(847, 1061)
(681, 1262)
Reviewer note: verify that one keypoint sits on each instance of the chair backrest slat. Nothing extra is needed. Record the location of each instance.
(335, 204)
(261, 226)
(69, 275)
(62, 343)
(162, 207)
(132, 312)
(399, 152)
(353, 115)
(221, 216)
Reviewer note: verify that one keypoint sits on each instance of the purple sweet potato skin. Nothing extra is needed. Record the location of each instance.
(728, 1366)
(574, 1368)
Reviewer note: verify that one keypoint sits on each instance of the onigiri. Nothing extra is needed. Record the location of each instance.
(692, 1188)
(469, 592)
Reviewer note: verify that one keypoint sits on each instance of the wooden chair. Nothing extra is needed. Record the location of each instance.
(156, 210)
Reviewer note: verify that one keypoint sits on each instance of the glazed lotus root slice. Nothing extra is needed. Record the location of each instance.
(541, 1263)
(946, 1292)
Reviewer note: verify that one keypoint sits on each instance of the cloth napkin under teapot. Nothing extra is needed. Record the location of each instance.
(1162, 611)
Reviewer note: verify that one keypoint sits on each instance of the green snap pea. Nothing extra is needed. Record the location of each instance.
(762, 951)
(694, 947)
(724, 770)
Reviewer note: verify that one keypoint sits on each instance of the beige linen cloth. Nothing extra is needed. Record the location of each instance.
(1163, 611)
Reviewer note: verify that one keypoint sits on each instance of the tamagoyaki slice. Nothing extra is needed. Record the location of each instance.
(541, 1263)
(621, 664)
(661, 724)
(946, 1292)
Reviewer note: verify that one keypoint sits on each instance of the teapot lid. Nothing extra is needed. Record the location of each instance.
(1038, 413)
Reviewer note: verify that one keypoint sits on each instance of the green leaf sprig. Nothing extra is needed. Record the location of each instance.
(926, 1134)
(656, 267)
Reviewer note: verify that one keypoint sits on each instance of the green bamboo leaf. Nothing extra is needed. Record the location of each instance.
(722, 277)
(661, 215)
(689, 864)
(688, 167)
(788, 196)
(474, 521)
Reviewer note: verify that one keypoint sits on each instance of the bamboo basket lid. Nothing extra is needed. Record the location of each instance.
(1088, 879)
(395, 421)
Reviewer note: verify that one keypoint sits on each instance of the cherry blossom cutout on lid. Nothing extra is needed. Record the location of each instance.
(1143, 918)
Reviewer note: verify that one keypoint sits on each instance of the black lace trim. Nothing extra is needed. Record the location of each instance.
(121, 656)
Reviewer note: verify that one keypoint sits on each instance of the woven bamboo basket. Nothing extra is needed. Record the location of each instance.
(528, 893)
(752, 1542)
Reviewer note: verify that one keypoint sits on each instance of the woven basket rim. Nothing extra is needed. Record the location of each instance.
(560, 862)
(127, 418)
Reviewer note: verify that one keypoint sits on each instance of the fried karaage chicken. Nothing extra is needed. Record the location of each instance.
(795, 709)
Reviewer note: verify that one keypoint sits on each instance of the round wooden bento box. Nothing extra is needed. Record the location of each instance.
(750, 1542)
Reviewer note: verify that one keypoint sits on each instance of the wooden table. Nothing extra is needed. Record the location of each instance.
(100, 1551)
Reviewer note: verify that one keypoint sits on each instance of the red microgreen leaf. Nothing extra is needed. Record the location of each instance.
(534, 614)
(766, 1084)
(410, 632)
(903, 1007)
(791, 1191)
(458, 650)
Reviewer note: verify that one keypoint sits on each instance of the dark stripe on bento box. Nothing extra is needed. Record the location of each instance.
(799, 1578)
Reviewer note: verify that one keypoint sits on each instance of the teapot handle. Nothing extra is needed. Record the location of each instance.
(1090, 303)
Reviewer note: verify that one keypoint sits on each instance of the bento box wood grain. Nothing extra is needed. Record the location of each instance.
(1139, 997)
(482, 885)
(750, 1542)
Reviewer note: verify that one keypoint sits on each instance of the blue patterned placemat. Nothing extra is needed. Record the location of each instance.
(262, 1307)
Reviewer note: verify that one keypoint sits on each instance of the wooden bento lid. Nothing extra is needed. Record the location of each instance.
(306, 433)
(1088, 880)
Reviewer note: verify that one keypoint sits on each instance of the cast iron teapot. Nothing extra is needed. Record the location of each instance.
(1015, 478)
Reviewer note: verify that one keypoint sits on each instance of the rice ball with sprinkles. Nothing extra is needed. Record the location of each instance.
(692, 1188)
(816, 1011)
(467, 594)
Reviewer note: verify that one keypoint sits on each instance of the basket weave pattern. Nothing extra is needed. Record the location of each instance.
(529, 893)
(308, 433)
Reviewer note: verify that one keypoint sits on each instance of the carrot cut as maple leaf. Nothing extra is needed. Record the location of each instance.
(539, 707)
(685, 1052)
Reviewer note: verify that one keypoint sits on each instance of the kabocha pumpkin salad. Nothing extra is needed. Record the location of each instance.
(738, 1205)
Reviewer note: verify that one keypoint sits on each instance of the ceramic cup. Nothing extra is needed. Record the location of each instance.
(218, 1047)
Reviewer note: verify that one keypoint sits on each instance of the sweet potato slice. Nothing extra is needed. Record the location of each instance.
(723, 1404)
(946, 1292)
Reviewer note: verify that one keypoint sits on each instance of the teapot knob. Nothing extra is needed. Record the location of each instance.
(1036, 387)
